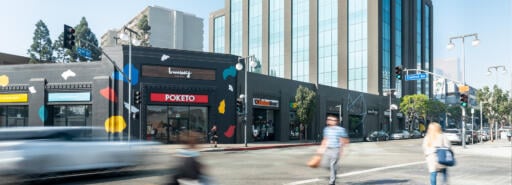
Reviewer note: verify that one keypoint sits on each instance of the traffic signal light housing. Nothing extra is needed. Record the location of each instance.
(137, 98)
(398, 72)
(463, 100)
(69, 37)
(239, 107)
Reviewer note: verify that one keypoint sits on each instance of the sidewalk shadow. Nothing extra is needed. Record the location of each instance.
(382, 181)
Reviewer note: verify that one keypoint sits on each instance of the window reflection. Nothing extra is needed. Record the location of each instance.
(13, 116)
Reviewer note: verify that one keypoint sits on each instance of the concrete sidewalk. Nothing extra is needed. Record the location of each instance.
(171, 148)
(499, 148)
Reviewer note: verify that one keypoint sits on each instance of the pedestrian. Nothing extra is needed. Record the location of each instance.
(214, 137)
(434, 139)
(509, 135)
(335, 139)
(302, 132)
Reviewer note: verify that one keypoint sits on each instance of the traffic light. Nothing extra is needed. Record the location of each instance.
(398, 72)
(239, 107)
(463, 100)
(69, 37)
(137, 99)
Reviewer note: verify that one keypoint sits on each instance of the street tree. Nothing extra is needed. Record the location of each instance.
(41, 49)
(143, 26)
(495, 105)
(434, 110)
(84, 33)
(60, 54)
(414, 107)
(305, 99)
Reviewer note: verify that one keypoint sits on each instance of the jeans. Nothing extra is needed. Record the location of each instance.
(433, 177)
(332, 156)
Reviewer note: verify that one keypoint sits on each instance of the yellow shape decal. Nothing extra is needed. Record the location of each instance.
(14, 98)
(4, 80)
(115, 124)
(222, 107)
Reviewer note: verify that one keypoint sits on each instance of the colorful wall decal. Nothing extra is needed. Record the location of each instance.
(134, 109)
(67, 74)
(43, 113)
(135, 74)
(115, 124)
(109, 94)
(231, 71)
(164, 57)
(4, 80)
(32, 89)
(222, 107)
(230, 88)
(230, 132)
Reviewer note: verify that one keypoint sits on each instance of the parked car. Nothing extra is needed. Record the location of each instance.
(401, 134)
(378, 136)
(29, 151)
(416, 134)
(454, 136)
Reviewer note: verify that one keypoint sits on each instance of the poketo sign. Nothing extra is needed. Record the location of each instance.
(178, 98)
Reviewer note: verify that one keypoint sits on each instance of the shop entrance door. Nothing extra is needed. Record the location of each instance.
(176, 127)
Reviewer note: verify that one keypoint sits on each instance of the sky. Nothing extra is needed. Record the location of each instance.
(492, 20)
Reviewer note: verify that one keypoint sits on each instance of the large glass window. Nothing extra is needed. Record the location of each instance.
(386, 44)
(426, 63)
(255, 31)
(276, 38)
(300, 40)
(14, 116)
(418, 42)
(358, 45)
(236, 27)
(219, 35)
(398, 39)
(328, 42)
(70, 115)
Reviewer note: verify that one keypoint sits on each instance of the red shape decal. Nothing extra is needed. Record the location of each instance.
(231, 130)
(109, 94)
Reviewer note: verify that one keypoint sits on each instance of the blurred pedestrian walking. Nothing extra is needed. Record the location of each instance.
(335, 138)
(433, 140)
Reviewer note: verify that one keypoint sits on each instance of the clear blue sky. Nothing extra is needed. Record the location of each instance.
(491, 19)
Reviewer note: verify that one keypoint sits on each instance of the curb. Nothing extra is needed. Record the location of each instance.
(257, 147)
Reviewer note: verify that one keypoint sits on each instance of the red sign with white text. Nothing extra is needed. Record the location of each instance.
(178, 98)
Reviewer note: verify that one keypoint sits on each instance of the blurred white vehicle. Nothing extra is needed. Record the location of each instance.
(28, 151)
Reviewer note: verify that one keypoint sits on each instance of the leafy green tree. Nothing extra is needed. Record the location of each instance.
(305, 99)
(143, 25)
(434, 110)
(414, 106)
(83, 32)
(41, 49)
(495, 104)
(60, 53)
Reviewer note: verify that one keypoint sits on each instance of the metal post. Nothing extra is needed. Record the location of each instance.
(129, 86)
(246, 104)
(481, 119)
(390, 119)
(472, 126)
(463, 134)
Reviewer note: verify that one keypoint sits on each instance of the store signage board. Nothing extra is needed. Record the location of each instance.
(265, 102)
(14, 98)
(178, 72)
(69, 97)
(178, 98)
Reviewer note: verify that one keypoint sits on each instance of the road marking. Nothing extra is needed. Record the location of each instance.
(359, 172)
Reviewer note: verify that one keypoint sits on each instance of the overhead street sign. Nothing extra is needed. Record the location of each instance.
(418, 76)
(84, 52)
(463, 88)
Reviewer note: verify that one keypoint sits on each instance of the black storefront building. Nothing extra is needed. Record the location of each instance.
(173, 91)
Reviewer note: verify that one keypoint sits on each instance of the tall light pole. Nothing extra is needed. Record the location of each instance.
(390, 92)
(450, 45)
(248, 62)
(490, 70)
(129, 38)
(481, 120)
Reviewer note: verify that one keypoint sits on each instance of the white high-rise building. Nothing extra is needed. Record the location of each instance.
(169, 29)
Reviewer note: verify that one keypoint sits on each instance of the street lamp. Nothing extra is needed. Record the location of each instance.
(247, 61)
(451, 45)
(128, 38)
(489, 72)
(390, 92)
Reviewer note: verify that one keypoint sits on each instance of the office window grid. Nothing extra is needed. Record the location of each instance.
(418, 42)
(236, 27)
(398, 39)
(328, 42)
(255, 31)
(219, 35)
(386, 44)
(300, 40)
(276, 38)
(427, 48)
(358, 45)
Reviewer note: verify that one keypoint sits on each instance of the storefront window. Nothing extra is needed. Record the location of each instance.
(165, 123)
(355, 126)
(294, 127)
(157, 123)
(13, 116)
(263, 125)
(69, 115)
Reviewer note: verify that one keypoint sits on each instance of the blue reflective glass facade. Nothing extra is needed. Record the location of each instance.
(255, 31)
(276, 38)
(418, 41)
(398, 39)
(386, 44)
(219, 35)
(300, 40)
(427, 48)
(236, 27)
(358, 45)
(328, 42)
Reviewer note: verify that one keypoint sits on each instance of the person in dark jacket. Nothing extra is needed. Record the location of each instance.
(189, 167)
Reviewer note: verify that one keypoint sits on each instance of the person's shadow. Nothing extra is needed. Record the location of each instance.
(382, 181)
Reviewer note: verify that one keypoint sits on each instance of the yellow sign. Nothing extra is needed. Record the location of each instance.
(14, 98)
(464, 88)
(115, 124)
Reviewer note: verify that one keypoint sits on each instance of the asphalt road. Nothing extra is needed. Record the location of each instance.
(392, 162)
